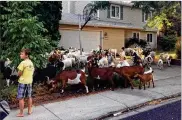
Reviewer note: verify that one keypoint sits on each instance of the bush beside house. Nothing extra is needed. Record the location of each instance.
(134, 41)
(167, 43)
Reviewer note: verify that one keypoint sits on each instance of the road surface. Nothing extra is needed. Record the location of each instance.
(171, 111)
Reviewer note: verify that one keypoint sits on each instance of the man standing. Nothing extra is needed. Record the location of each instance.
(25, 73)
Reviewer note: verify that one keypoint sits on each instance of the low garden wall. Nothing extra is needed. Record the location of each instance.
(176, 62)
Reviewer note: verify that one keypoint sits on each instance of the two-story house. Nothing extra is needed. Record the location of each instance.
(109, 29)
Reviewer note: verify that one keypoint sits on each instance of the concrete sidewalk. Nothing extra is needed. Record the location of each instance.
(167, 82)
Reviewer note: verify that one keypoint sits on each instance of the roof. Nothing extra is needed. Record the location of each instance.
(125, 3)
(73, 19)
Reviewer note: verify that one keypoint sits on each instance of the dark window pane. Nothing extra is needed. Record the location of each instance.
(117, 12)
(138, 35)
(147, 37)
(150, 37)
(113, 11)
(134, 35)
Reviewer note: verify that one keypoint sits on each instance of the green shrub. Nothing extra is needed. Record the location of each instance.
(178, 48)
(9, 93)
(143, 43)
(136, 83)
(131, 41)
(167, 43)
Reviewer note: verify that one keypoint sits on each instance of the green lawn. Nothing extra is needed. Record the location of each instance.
(172, 53)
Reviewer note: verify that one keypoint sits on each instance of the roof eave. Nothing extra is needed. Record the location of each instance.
(70, 23)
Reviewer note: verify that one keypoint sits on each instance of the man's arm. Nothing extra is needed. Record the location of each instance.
(20, 73)
(20, 69)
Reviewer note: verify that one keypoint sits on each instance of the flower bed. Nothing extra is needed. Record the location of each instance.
(41, 95)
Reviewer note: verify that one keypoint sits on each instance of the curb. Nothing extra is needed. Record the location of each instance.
(119, 112)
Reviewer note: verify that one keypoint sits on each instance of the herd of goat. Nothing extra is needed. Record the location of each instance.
(69, 67)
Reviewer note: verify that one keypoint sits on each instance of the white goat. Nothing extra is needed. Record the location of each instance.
(160, 64)
(113, 51)
(166, 58)
(103, 62)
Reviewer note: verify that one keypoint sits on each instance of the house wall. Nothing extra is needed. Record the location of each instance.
(114, 39)
(79, 6)
(143, 35)
(65, 6)
(75, 7)
(133, 16)
(117, 35)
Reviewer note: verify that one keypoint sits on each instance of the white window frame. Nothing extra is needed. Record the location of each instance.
(150, 41)
(148, 17)
(136, 34)
(98, 14)
(115, 11)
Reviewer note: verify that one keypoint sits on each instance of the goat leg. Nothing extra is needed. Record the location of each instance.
(83, 80)
(144, 85)
(112, 83)
(149, 84)
(63, 86)
(130, 80)
(140, 85)
(153, 82)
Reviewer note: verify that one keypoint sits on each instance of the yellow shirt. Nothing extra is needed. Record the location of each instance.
(27, 69)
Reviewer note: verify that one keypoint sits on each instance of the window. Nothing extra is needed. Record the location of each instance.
(136, 35)
(149, 37)
(147, 16)
(97, 15)
(115, 11)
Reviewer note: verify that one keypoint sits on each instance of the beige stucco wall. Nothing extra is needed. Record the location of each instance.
(115, 38)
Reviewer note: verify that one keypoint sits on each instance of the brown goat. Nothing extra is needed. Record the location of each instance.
(145, 78)
(128, 72)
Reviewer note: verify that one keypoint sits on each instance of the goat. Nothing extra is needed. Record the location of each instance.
(69, 77)
(129, 72)
(144, 78)
(160, 64)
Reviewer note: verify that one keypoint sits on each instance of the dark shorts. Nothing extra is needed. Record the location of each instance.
(24, 90)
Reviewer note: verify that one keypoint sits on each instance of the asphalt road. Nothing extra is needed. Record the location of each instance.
(171, 111)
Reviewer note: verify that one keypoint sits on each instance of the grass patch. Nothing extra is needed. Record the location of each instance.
(171, 53)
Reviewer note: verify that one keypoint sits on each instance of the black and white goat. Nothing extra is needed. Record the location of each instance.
(10, 74)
